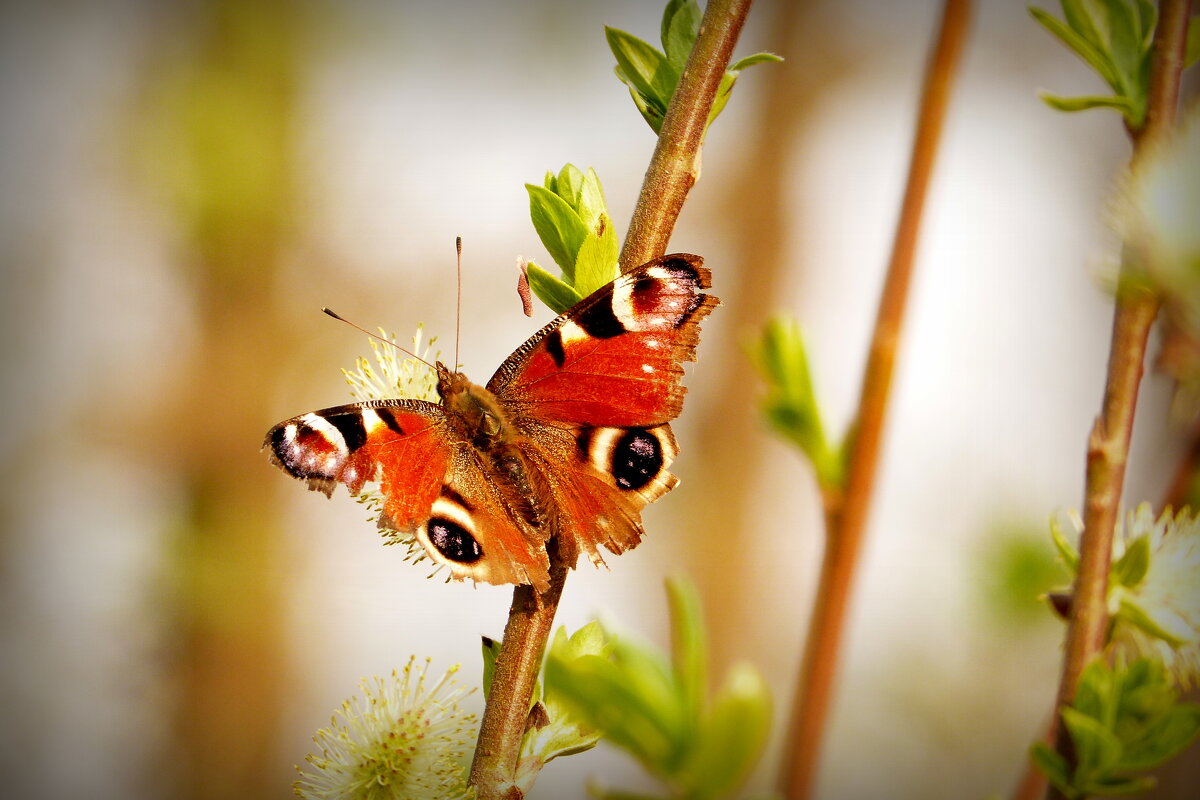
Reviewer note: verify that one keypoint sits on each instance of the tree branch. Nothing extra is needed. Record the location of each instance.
(674, 167)
(1108, 444)
(846, 512)
(668, 179)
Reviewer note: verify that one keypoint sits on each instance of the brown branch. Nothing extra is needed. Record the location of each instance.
(1108, 443)
(668, 180)
(673, 168)
(530, 621)
(846, 513)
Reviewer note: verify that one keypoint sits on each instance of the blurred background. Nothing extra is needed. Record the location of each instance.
(186, 184)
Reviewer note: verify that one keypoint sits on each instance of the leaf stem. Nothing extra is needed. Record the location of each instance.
(846, 511)
(1108, 443)
(674, 167)
(668, 180)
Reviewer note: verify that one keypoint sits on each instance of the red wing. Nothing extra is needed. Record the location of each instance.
(616, 357)
(433, 486)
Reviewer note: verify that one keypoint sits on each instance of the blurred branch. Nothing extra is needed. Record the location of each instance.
(1108, 444)
(846, 512)
(1183, 481)
(668, 180)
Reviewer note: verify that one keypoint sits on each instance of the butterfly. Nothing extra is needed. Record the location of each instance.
(568, 442)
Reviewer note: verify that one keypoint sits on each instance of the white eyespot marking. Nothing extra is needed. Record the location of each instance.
(622, 304)
(659, 273)
(646, 368)
(570, 333)
(653, 344)
(327, 429)
(350, 475)
(371, 421)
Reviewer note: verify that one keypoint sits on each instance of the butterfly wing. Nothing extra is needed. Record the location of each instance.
(593, 392)
(432, 484)
(615, 358)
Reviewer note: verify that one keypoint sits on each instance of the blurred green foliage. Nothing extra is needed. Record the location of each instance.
(1124, 721)
(1115, 38)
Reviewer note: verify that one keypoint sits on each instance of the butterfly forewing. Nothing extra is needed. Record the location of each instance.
(615, 358)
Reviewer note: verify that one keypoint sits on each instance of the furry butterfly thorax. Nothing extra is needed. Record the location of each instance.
(569, 440)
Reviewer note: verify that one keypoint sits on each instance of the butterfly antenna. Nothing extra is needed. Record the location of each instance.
(407, 352)
(458, 307)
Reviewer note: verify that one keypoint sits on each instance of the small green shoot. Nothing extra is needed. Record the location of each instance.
(1115, 38)
(1125, 721)
(652, 74)
(659, 710)
(790, 404)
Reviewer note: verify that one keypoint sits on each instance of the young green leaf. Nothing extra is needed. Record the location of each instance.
(680, 26)
(643, 67)
(551, 290)
(790, 404)
(1130, 569)
(689, 654)
(491, 649)
(596, 264)
(731, 738)
(558, 226)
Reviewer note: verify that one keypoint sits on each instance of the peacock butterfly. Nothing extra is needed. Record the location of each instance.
(569, 439)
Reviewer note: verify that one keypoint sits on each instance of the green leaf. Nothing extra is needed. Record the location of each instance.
(1053, 766)
(1113, 785)
(750, 61)
(680, 25)
(688, 646)
(1192, 52)
(733, 736)
(1130, 569)
(569, 186)
(558, 226)
(1066, 550)
(1135, 615)
(491, 649)
(1086, 49)
(596, 263)
(642, 66)
(599, 693)
(790, 405)
(1097, 749)
(591, 199)
(1166, 738)
(556, 294)
(1121, 104)
(651, 111)
(1079, 17)
(1125, 46)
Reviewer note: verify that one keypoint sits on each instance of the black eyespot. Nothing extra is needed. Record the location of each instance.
(636, 459)
(453, 541)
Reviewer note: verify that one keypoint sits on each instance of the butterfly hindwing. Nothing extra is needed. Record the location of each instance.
(432, 484)
(594, 391)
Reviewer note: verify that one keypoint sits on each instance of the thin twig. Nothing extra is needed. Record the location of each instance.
(846, 513)
(667, 182)
(1108, 443)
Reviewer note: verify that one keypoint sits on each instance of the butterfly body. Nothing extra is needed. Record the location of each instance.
(568, 441)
